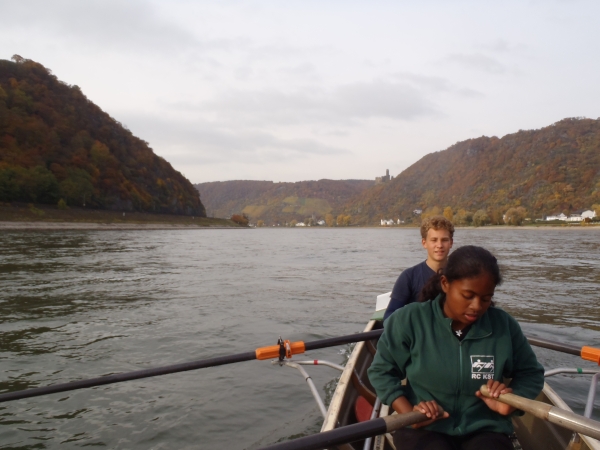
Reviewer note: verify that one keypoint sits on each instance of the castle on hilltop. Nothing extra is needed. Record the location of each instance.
(385, 178)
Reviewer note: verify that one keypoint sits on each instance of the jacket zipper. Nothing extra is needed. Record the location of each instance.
(460, 379)
(460, 372)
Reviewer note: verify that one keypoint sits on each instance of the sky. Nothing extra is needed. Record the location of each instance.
(304, 90)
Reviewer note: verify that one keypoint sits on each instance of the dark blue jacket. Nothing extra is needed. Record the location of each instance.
(408, 287)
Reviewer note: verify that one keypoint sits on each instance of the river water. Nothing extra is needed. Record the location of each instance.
(79, 304)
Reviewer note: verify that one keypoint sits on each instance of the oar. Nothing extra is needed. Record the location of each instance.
(274, 351)
(544, 411)
(286, 349)
(351, 433)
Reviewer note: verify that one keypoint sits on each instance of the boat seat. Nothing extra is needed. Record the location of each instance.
(362, 409)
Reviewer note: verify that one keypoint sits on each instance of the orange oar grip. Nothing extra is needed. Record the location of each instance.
(591, 354)
(272, 351)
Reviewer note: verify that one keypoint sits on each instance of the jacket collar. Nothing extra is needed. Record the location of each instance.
(480, 329)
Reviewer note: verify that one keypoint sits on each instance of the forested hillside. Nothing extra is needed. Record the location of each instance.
(279, 202)
(55, 144)
(540, 172)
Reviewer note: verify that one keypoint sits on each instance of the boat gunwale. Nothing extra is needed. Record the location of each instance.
(333, 412)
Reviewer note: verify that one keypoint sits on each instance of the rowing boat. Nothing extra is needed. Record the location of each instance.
(354, 400)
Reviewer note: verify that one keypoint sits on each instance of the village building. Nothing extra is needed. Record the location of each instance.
(575, 217)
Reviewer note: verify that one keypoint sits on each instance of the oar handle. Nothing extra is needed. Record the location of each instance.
(544, 411)
(537, 409)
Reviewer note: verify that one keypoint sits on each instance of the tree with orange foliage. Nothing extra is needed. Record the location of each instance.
(448, 214)
(240, 220)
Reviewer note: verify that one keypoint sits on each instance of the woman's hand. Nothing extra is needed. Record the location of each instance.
(432, 410)
(496, 388)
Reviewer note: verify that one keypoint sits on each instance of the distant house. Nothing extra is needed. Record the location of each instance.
(418, 212)
(575, 217)
(580, 217)
(560, 216)
(400, 221)
(321, 222)
(300, 224)
(589, 214)
(387, 223)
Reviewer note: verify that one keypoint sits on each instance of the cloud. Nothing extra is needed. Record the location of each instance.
(202, 142)
(102, 24)
(478, 61)
(503, 46)
(344, 105)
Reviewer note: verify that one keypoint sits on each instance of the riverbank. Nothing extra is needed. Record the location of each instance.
(44, 217)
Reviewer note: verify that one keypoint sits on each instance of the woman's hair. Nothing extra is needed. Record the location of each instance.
(465, 262)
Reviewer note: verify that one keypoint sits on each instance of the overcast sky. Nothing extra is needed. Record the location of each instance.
(300, 90)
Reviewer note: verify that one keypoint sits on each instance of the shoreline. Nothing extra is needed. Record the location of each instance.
(83, 226)
(48, 226)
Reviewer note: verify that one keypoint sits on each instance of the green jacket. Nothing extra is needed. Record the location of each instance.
(418, 344)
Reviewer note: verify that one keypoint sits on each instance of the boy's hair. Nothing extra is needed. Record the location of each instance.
(437, 223)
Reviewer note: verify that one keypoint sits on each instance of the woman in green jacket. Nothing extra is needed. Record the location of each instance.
(447, 348)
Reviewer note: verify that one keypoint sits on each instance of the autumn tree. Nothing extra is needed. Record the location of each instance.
(77, 187)
(448, 214)
(240, 219)
(496, 216)
(463, 217)
(480, 218)
(260, 223)
(430, 212)
(515, 216)
(329, 220)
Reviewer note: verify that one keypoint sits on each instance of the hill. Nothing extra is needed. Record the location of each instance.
(56, 144)
(279, 202)
(551, 170)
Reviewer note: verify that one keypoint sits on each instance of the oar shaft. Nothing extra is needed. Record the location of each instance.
(351, 433)
(182, 367)
(109, 379)
(544, 411)
(564, 348)
(343, 340)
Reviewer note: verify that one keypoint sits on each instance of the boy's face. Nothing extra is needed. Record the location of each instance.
(438, 244)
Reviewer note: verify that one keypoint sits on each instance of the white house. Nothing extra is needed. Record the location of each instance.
(417, 212)
(386, 223)
(321, 222)
(578, 217)
(560, 216)
(300, 224)
(589, 214)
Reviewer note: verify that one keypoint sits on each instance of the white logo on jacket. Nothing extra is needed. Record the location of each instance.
(482, 367)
